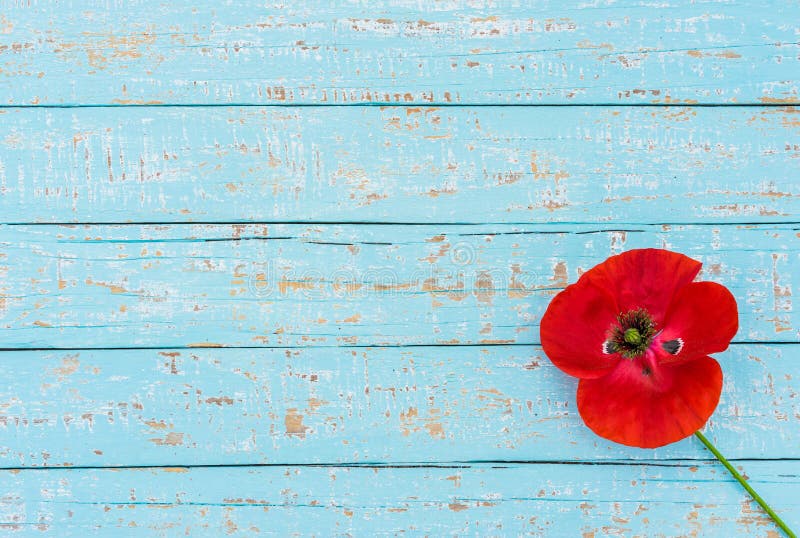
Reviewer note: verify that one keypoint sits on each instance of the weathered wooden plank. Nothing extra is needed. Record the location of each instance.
(480, 500)
(342, 405)
(400, 164)
(535, 51)
(321, 285)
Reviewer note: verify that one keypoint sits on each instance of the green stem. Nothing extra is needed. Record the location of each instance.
(739, 478)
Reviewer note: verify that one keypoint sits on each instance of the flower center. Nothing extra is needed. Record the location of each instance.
(633, 337)
(632, 334)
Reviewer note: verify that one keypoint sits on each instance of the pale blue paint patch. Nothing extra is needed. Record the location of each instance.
(327, 285)
(342, 405)
(480, 500)
(408, 52)
(400, 164)
(625, 173)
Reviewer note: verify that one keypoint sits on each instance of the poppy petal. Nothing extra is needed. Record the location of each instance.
(652, 409)
(702, 319)
(573, 330)
(644, 278)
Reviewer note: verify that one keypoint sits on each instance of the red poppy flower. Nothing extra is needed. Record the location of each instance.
(637, 331)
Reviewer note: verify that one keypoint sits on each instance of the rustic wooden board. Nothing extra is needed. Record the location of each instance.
(542, 51)
(342, 405)
(400, 164)
(481, 500)
(324, 285)
(376, 274)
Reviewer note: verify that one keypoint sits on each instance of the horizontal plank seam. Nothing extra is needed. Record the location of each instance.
(457, 464)
(407, 105)
(403, 223)
(365, 346)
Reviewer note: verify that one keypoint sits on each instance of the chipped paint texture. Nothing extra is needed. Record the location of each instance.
(411, 164)
(344, 405)
(202, 286)
(225, 314)
(390, 51)
(552, 500)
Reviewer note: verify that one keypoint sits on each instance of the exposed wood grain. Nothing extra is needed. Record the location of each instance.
(482, 500)
(341, 405)
(411, 52)
(307, 300)
(400, 164)
(322, 285)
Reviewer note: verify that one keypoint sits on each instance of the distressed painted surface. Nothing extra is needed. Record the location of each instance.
(435, 228)
(544, 51)
(327, 285)
(342, 405)
(691, 499)
(400, 164)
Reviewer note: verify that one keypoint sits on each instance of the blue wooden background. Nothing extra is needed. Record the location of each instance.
(275, 267)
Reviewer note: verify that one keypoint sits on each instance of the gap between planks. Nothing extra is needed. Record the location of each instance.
(618, 227)
(679, 463)
(389, 104)
(333, 346)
